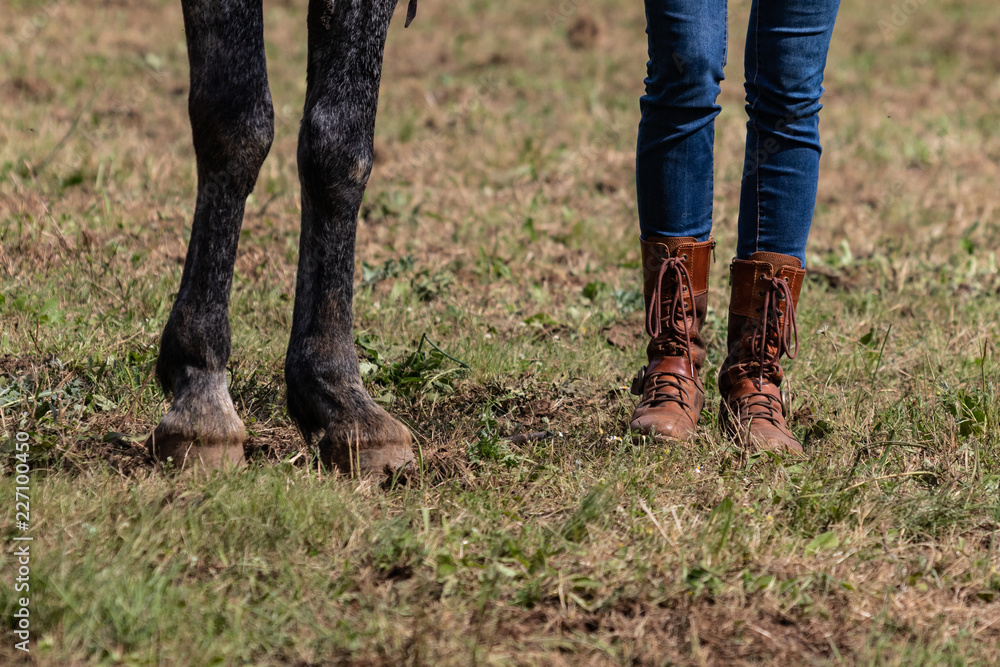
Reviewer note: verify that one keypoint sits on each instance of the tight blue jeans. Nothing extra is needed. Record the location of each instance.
(786, 48)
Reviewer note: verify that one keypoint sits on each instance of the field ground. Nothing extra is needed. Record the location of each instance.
(499, 227)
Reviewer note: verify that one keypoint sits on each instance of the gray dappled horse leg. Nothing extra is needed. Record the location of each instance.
(232, 126)
(325, 393)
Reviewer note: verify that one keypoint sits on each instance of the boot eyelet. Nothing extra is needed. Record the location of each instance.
(757, 310)
(684, 257)
(760, 294)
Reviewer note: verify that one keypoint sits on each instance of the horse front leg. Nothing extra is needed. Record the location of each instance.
(232, 124)
(325, 393)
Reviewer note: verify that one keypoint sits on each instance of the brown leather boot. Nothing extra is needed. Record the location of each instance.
(762, 328)
(675, 286)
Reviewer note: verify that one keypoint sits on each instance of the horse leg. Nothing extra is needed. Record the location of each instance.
(325, 393)
(232, 124)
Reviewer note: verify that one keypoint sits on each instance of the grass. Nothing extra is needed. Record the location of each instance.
(498, 295)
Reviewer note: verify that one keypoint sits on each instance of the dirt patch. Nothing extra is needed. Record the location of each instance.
(123, 456)
(277, 443)
(703, 632)
(21, 364)
(583, 33)
(29, 88)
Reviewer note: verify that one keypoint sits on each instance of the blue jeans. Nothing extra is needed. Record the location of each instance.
(786, 48)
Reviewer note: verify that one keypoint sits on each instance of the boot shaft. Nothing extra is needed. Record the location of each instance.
(676, 301)
(753, 292)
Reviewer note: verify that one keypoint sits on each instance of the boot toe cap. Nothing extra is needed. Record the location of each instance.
(773, 440)
(674, 427)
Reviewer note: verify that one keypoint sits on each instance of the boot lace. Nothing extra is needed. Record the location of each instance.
(665, 387)
(672, 270)
(784, 331)
(759, 405)
(775, 335)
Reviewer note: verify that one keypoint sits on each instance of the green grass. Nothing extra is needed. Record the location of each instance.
(498, 295)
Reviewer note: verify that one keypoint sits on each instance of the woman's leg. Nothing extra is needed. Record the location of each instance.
(787, 43)
(687, 51)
